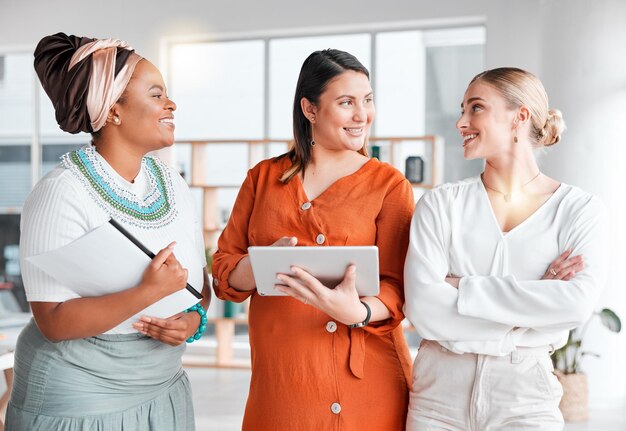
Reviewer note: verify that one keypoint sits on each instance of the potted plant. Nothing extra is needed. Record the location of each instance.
(567, 360)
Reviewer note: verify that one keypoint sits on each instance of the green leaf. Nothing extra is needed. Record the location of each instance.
(595, 355)
(567, 358)
(610, 320)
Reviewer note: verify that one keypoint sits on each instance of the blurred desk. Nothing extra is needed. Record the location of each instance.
(8, 303)
(11, 324)
(6, 364)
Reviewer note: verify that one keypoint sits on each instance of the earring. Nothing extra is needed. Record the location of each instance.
(312, 142)
(313, 119)
(117, 120)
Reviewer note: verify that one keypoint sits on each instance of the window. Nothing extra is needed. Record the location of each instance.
(16, 133)
(55, 142)
(16, 130)
(285, 60)
(219, 89)
(453, 58)
(26, 122)
(243, 89)
(1, 69)
(399, 81)
(14, 177)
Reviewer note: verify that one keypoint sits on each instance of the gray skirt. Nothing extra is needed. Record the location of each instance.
(104, 383)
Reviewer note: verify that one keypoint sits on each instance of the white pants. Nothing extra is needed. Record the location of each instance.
(473, 392)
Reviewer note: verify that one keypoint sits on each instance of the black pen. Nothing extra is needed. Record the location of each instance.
(151, 255)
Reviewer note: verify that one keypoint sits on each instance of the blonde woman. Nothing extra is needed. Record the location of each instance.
(499, 267)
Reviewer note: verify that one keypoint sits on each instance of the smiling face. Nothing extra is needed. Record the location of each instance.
(145, 111)
(487, 124)
(345, 112)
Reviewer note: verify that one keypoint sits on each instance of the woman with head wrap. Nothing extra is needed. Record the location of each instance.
(76, 366)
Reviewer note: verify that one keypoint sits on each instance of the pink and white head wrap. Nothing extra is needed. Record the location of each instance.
(83, 77)
(104, 87)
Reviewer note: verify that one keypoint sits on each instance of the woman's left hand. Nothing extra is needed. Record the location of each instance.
(341, 303)
(173, 331)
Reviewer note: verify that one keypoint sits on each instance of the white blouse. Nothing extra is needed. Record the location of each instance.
(501, 302)
(62, 208)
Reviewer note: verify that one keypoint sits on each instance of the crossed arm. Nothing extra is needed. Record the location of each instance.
(488, 309)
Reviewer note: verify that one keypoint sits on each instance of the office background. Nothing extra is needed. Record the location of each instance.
(575, 46)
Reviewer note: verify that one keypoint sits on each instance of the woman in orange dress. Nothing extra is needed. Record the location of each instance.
(323, 359)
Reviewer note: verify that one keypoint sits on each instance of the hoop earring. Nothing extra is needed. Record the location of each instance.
(312, 142)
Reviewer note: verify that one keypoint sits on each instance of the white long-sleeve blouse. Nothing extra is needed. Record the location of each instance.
(501, 302)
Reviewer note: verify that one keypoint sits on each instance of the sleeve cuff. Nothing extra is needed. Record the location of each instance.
(220, 282)
(394, 305)
(461, 303)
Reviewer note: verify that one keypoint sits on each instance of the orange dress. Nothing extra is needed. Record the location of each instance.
(309, 372)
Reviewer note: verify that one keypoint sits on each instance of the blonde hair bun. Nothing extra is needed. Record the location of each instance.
(554, 128)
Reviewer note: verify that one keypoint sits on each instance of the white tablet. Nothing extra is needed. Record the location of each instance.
(327, 264)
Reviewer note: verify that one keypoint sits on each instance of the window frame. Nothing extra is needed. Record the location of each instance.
(373, 29)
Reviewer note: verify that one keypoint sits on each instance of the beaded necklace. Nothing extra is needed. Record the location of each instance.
(156, 209)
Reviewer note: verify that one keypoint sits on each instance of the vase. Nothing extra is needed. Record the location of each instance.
(575, 402)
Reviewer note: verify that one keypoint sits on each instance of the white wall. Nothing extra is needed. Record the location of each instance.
(583, 67)
(575, 46)
(143, 22)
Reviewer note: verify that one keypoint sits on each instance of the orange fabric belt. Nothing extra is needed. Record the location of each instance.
(357, 352)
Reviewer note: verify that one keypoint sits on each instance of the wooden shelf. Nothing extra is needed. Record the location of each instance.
(434, 155)
(257, 150)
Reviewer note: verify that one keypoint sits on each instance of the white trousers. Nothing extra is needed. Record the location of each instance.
(473, 392)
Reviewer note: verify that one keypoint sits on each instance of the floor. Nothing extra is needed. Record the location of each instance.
(219, 394)
(220, 397)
